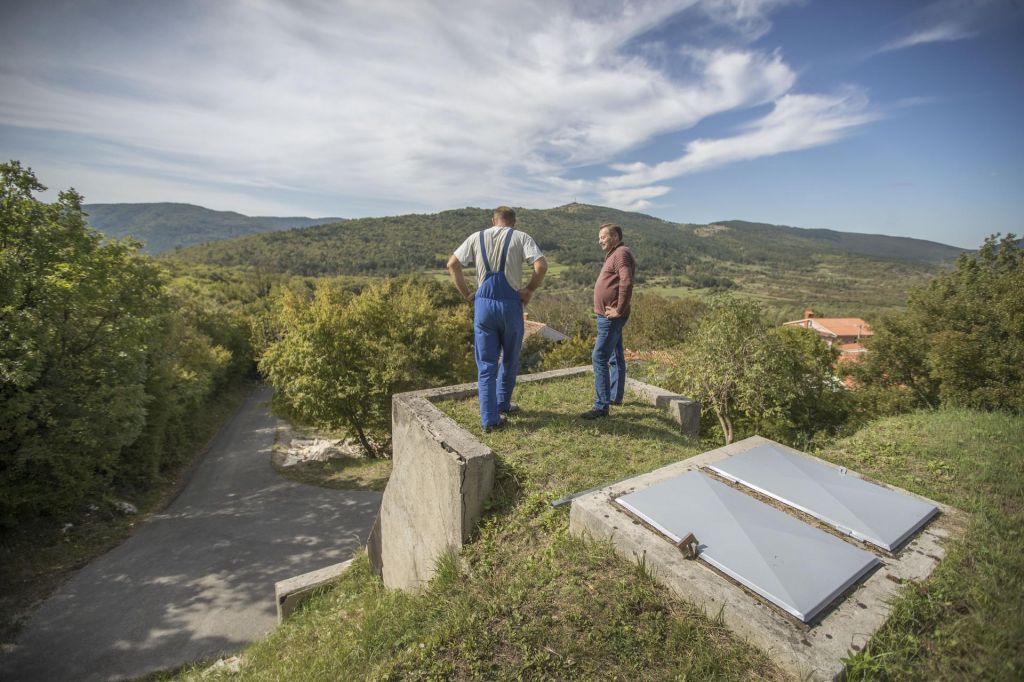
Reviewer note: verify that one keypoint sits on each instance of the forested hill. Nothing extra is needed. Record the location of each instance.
(902, 248)
(163, 226)
(394, 245)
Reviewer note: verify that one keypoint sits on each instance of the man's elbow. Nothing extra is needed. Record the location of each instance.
(454, 265)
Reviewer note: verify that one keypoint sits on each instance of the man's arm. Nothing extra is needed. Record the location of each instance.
(458, 279)
(540, 268)
(624, 267)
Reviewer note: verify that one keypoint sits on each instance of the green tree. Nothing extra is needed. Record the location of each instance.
(961, 341)
(774, 381)
(574, 351)
(722, 360)
(339, 358)
(74, 338)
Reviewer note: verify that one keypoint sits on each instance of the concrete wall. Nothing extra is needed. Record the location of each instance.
(442, 476)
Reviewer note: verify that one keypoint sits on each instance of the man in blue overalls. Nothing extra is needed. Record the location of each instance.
(498, 253)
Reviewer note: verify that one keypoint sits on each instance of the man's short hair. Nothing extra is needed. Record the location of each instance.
(505, 214)
(614, 228)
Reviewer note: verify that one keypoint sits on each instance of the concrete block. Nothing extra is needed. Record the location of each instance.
(291, 593)
(373, 549)
(441, 476)
(684, 411)
(809, 653)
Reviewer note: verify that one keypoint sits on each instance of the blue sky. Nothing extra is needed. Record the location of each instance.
(899, 118)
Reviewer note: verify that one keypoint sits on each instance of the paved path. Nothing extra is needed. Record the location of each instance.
(197, 580)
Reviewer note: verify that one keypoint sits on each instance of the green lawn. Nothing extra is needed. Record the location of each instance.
(967, 621)
(528, 601)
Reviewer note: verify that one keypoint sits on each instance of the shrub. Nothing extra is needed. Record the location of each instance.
(338, 359)
(961, 341)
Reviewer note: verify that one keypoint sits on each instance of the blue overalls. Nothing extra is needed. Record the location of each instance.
(497, 325)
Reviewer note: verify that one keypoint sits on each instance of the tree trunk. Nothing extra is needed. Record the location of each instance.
(361, 436)
(723, 420)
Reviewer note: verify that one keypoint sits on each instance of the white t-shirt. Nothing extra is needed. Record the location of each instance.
(522, 248)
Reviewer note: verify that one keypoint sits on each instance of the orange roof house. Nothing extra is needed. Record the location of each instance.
(847, 332)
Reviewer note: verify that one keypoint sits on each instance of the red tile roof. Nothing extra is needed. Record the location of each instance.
(834, 326)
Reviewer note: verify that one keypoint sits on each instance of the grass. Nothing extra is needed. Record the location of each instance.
(525, 600)
(967, 621)
(37, 557)
(340, 473)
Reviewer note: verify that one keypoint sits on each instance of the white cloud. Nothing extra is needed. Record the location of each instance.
(933, 34)
(943, 21)
(432, 104)
(796, 122)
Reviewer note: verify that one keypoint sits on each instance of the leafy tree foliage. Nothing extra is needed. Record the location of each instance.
(657, 323)
(99, 362)
(338, 358)
(774, 381)
(961, 341)
(574, 351)
(411, 243)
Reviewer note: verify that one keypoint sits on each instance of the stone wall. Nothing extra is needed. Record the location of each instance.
(442, 476)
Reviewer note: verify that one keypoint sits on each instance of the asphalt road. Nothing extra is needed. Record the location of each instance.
(198, 579)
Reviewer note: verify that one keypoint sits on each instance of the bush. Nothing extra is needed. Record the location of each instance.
(777, 382)
(658, 323)
(100, 364)
(961, 341)
(338, 358)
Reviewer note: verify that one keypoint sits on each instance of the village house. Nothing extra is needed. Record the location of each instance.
(844, 332)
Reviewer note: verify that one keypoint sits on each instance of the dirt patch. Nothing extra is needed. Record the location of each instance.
(328, 461)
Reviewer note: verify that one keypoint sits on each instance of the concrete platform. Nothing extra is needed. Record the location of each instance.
(442, 476)
(808, 652)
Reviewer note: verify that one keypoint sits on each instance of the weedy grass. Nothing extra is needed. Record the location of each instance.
(340, 473)
(967, 621)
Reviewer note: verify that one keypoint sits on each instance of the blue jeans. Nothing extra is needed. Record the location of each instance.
(609, 362)
(498, 329)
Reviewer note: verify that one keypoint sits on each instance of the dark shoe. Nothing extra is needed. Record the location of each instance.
(496, 427)
(595, 414)
(512, 409)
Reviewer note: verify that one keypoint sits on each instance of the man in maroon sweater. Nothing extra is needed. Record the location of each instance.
(612, 293)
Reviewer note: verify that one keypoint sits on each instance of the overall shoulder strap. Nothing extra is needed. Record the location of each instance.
(504, 251)
(483, 253)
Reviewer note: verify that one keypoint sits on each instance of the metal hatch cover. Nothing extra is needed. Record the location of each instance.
(885, 518)
(799, 568)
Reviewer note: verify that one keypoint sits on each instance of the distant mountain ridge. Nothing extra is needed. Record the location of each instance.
(904, 248)
(164, 226)
(409, 243)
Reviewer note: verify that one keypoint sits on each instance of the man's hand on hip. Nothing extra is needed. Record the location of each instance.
(611, 312)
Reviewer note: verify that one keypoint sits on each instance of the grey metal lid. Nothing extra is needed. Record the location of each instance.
(795, 566)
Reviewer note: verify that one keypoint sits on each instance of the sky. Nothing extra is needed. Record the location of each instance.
(878, 116)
